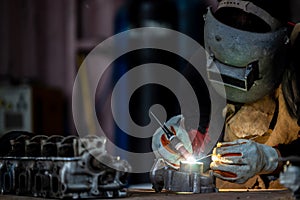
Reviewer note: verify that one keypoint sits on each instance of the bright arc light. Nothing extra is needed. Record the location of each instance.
(191, 159)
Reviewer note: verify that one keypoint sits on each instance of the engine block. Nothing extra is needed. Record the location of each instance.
(62, 167)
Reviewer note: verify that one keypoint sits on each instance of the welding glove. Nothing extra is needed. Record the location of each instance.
(161, 145)
(240, 160)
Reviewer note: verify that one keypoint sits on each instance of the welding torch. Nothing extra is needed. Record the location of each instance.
(175, 142)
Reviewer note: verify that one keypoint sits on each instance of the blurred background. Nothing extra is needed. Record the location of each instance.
(44, 42)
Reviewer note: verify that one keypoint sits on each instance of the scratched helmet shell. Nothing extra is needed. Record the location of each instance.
(247, 47)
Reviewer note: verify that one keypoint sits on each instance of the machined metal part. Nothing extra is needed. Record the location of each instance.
(62, 167)
(188, 178)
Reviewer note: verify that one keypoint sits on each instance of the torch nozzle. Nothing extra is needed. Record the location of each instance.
(178, 145)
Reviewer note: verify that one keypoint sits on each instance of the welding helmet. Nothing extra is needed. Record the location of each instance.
(246, 46)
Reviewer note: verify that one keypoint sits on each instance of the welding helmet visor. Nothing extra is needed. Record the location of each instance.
(250, 62)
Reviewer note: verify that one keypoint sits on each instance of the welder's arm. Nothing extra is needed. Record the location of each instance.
(240, 160)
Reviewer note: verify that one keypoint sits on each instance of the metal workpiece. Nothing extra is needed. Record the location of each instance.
(191, 167)
(189, 178)
(62, 167)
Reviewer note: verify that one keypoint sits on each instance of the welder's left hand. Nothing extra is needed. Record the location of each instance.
(240, 160)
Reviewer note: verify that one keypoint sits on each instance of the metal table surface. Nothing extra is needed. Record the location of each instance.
(146, 194)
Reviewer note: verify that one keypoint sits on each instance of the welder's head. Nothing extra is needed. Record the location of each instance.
(246, 43)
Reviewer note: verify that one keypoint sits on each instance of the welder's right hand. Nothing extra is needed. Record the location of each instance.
(161, 145)
(241, 159)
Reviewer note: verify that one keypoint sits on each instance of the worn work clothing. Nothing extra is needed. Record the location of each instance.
(266, 121)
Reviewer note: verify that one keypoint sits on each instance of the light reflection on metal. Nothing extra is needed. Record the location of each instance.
(191, 167)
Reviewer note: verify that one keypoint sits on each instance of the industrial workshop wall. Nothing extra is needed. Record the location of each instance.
(41, 41)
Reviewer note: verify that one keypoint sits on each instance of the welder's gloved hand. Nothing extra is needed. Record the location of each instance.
(240, 160)
(161, 145)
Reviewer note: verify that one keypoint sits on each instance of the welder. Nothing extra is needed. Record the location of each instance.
(254, 48)
(262, 110)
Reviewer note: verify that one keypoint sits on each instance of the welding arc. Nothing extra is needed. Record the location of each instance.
(204, 157)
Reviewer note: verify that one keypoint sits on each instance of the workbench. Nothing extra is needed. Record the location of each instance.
(147, 194)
